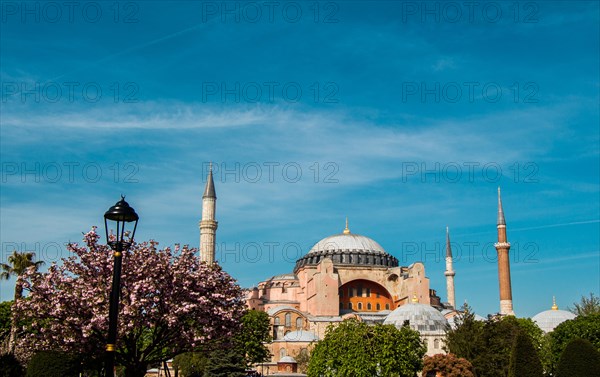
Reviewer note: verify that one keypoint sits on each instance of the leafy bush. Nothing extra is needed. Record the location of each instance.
(10, 366)
(449, 365)
(53, 364)
(579, 359)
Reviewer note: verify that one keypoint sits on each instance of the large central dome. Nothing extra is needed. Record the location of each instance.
(347, 241)
(348, 249)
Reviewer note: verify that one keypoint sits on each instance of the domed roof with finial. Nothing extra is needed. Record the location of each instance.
(421, 317)
(346, 241)
(348, 248)
(549, 319)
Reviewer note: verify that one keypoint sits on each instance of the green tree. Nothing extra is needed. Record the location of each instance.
(524, 359)
(5, 321)
(225, 361)
(584, 327)
(54, 364)
(255, 331)
(448, 365)
(190, 364)
(488, 345)
(540, 341)
(18, 263)
(465, 340)
(356, 349)
(586, 306)
(579, 359)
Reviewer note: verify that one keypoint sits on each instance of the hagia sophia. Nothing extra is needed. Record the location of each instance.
(348, 275)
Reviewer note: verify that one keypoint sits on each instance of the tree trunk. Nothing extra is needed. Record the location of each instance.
(12, 340)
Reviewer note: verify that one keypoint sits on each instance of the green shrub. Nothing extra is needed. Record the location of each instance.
(53, 364)
(579, 359)
(10, 366)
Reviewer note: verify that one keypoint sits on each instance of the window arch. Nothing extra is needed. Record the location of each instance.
(378, 306)
(387, 306)
(277, 321)
(299, 323)
(350, 305)
(288, 319)
(436, 343)
(369, 306)
(359, 306)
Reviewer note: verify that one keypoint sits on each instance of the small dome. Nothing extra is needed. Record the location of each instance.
(300, 336)
(452, 320)
(291, 276)
(421, 317)
(287, 359)
(549, 319)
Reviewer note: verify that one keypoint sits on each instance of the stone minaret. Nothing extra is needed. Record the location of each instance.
(208, 225)
(502, 247)
(449, 272)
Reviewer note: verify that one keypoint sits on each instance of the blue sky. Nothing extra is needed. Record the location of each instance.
(403, 116)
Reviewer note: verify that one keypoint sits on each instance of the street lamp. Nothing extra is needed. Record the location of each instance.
(120, 213)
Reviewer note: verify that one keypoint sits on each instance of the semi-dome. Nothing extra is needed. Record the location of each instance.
(288, 359)
(347, 248)
(423, 318)
(301, 336)
(549, 319)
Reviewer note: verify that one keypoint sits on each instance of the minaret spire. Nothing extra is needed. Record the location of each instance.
(208, 225)
(501, 220)
(554, 306)
(502, 247)
(346, 230)
(449, 271)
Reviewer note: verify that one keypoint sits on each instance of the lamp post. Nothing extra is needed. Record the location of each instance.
(120, 213)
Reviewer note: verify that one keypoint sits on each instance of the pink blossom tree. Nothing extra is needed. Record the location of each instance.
(170, 303)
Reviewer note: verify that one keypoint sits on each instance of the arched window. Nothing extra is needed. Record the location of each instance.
(436, 343)
(378, 307)
(369, 307)
(359, 291)
(368, 292)
(360, 306)
(288, 319)
(299, 323)
(387, 306)
(282, 353)
(277, 321)
(350, 305)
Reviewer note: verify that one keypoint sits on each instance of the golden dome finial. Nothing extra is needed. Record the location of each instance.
(415, 299)
(554, 306)
(346, 230)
